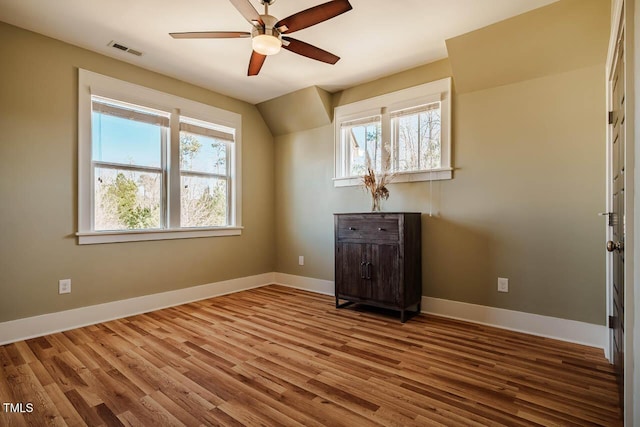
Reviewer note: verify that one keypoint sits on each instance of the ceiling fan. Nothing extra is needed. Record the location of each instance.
(267, 33)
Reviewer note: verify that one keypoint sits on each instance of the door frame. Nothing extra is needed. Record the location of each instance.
(617, 27)
(625, 15)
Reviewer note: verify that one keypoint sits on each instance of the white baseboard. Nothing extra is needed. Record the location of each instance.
(552, 327)
(306, 283)
(534, 324)
(31, 327)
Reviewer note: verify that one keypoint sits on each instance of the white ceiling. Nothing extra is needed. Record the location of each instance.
(376, 38)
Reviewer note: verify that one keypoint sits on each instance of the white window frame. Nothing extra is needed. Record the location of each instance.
(384, 106)
(228, 157)
(90, 83)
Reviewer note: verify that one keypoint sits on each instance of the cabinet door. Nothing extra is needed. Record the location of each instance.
(350, 270)
(385, 274)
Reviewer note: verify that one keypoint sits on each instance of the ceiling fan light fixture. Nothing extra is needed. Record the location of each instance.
(267, 31)
(266, 44)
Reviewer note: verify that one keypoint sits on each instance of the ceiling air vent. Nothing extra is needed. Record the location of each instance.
(124, 48)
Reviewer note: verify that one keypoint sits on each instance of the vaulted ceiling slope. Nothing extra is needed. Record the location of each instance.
(375, 39)
(563, 36)
(559, 37)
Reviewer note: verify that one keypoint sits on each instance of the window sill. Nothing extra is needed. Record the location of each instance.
(432, 175)
(98, 237)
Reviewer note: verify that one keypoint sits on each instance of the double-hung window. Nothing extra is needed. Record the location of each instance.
(154, 166)
(204, 174)
(406, 132)
(127, 165)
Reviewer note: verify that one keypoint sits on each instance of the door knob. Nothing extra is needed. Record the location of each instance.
(614, 246)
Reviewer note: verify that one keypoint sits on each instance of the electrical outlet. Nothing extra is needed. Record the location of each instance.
(64, 286)
(301, 260)
(503, 284)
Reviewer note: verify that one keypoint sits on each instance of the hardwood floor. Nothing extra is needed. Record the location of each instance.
(280, 356)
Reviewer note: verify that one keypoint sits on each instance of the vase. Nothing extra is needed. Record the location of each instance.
(376, 204)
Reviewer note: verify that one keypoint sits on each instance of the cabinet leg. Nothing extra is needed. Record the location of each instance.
(403, 316)
(419, 305)
(344, 304)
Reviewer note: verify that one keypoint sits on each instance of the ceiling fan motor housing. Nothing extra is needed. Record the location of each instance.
(268, 28)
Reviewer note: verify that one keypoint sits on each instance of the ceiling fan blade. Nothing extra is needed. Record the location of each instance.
(314, 15)
(255, 63)
(310, 51)
(211, 35)
(247, 10)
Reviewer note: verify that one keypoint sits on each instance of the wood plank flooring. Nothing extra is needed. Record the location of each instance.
(279, 356)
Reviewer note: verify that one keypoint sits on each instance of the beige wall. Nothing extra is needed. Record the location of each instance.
(562, 36)
(529, 180)
(528, 148)
(523, 203)
(38, 191)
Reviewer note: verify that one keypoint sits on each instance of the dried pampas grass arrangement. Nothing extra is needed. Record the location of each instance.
(376, 185)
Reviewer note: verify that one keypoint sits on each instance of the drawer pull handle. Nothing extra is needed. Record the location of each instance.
(352, 228)
(382, 229)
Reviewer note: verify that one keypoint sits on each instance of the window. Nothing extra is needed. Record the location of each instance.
(416, 137)
(407, 132)
(364, 140)
(127, 144)
(204, 174)
(154, 166)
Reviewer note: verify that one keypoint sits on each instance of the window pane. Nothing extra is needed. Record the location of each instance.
(124, 141)
(203, 201)
(364, 146)
(126, 200)
(418, 140)
(199, 153)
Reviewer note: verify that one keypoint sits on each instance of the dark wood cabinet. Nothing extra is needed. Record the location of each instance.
(379, 260)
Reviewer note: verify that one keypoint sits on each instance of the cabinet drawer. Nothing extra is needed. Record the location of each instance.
(378, 229)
